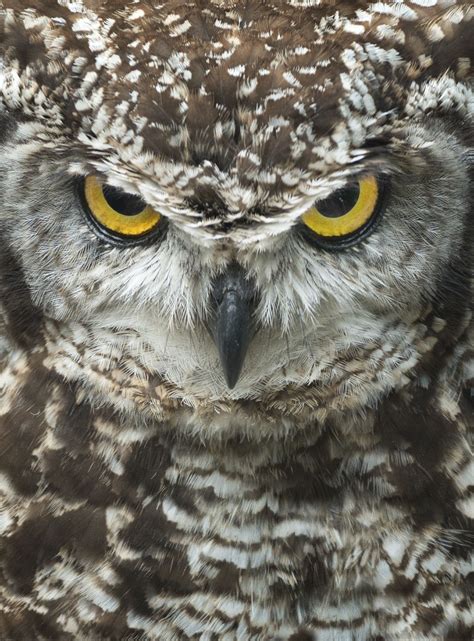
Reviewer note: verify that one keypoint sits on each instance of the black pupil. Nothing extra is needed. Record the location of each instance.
(123, 203)
(340, 202)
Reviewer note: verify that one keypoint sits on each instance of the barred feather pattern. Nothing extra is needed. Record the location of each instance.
(348, 529)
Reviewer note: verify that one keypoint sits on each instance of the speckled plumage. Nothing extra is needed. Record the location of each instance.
(328, 496)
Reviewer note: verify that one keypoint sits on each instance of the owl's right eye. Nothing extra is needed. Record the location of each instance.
(118, 214)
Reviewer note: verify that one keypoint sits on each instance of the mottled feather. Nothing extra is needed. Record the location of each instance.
(328, 496)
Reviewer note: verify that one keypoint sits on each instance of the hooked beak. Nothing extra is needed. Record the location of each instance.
(231, 325)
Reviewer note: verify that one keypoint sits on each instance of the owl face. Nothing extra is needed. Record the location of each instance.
(310, 306)
(236, 233)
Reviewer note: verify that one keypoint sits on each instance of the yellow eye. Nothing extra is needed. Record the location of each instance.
(347, 213)
(117, 212)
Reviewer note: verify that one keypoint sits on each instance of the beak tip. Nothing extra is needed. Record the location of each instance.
(232, 356)
(231, 378)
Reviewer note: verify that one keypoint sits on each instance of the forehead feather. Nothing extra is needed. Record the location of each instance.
(271, 94)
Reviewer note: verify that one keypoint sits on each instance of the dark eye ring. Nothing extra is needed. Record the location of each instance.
(117, 215)
(348, 215)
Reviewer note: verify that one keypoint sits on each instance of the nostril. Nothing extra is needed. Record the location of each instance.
(233, 280)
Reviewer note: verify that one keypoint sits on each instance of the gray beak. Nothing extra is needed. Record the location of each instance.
(231, 329)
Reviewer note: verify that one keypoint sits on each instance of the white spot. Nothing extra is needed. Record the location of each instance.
(369, 104)
(395, 548)
(236, 71)
(466, 506)
(348, 57)
(398, 9)
(291, 80)
(248, 87)
(350, 27)
(136, 15)
(383, 575)
(133, 76)
(182, 28)
(172, 17)
(5, 521)
(301, 51)
(435, 33)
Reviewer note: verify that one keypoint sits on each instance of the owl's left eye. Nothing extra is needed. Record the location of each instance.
(347, 215)
(117, 213)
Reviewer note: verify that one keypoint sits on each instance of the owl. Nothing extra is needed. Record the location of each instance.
(236, 349)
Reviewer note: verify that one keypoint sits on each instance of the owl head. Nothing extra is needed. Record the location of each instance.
(251, 205)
